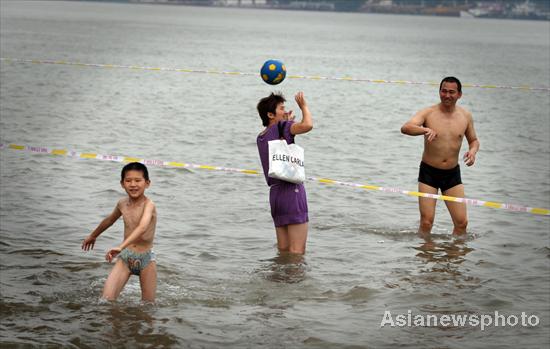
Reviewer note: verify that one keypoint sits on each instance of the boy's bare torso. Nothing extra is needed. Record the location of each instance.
(131, 214)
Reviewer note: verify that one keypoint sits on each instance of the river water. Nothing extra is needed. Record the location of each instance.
(221, 281)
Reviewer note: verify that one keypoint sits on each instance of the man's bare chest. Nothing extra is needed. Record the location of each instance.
(448, 127)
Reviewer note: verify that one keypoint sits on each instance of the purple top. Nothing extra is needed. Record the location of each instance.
(270, 134)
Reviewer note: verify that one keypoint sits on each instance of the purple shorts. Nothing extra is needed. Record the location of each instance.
(288, 203)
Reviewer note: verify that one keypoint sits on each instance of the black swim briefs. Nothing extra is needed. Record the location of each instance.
(438, 178)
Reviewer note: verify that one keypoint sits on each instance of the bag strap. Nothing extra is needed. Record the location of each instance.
(281, 127)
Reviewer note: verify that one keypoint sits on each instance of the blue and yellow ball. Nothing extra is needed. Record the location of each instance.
(273, 72)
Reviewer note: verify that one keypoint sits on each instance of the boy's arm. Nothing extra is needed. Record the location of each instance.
(138, 231)
(89, 241)
(415, 126)
(307, 123)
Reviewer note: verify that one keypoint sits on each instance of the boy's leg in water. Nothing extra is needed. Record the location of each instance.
(116, 280)
(148, 282)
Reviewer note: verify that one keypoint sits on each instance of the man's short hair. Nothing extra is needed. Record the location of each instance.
(269, 105)
(451, 79)
(135, 166)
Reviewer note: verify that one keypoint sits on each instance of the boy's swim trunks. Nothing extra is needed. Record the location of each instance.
(438, 178)
(136, 261)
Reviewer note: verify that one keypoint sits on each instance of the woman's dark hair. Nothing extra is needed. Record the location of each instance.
(269, 105)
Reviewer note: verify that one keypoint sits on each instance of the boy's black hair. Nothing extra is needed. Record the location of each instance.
(269, 105)
(451, 79)
(135, 166)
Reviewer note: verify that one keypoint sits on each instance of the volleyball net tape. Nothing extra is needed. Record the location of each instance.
(345, 78)
(174, 164)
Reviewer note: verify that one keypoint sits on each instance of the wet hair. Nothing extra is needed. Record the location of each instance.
(269, 105)
(134, 166)
(451, 79)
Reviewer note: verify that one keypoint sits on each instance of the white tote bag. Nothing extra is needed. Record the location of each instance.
(286, 161)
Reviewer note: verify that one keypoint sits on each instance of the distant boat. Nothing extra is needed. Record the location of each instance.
(477, 12)
(527, 10)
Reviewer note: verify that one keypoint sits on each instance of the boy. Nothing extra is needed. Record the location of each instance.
(287, 200)
(135, 255)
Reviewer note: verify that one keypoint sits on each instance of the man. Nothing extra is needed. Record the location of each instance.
(444, 126)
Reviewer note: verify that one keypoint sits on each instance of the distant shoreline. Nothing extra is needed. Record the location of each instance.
(491, 10)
